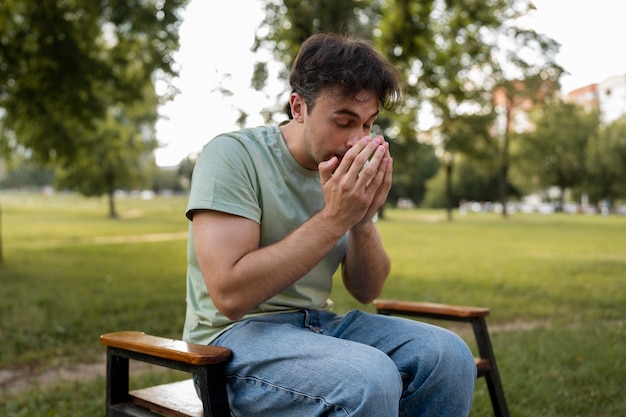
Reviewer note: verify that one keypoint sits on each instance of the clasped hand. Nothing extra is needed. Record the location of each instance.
(356, 186)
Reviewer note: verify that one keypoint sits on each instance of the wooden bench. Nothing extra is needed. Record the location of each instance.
(172, 400)
(179, 399)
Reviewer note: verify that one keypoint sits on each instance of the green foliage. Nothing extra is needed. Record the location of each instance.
(453, 54)
(414, 163)
(554, 154)
(288, 23)
(24, 173)
(606, 162)
(78, 84)
(117, 154)
(471, 181)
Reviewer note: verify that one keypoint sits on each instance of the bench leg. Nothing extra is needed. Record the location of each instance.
(492, 376)
(117, 381)
(213, 391)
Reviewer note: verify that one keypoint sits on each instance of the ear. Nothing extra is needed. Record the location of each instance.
(298, 107)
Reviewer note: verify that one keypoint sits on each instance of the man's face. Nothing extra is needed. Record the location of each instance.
(335, 124)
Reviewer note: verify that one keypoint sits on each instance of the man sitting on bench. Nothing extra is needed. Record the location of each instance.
(274, 211)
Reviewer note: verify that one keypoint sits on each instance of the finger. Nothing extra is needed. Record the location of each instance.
(326, 169)
(372, 167)
(349, 158)
(374, 173)
(367, 161)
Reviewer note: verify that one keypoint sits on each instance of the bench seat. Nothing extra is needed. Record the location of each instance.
(177, 399)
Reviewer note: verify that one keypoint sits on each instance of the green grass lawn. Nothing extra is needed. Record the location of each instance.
(555, 285)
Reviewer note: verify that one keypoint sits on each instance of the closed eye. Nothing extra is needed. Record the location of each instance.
(367, 127)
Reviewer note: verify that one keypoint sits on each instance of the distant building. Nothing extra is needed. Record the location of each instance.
(612, 98)
(586, 97)
(608, 96)
(513, 107)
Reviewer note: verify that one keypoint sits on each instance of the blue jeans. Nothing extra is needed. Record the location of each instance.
(317, 363)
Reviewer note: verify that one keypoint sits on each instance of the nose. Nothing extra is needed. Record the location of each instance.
(352, 141)
(357, 135)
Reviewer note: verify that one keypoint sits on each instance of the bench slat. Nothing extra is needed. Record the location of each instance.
(481, 364)
(177, 399)
(399, 307)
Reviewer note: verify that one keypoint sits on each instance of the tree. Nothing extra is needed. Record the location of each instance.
(606, 163)
(554, 153)
(64, 63)
(288, 23)
(24, 173)
(414, 164)
(116, 153)
(68, 69)
(472, 181)
(454, 54)
(514, 100)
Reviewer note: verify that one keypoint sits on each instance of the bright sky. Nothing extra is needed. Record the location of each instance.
(216, 40)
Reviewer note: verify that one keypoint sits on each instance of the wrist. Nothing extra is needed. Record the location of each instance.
(365, 227)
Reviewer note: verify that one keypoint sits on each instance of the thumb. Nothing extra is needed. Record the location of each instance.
(326, 169)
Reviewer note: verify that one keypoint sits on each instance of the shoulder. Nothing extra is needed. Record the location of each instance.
(250, 139)
(258, 134)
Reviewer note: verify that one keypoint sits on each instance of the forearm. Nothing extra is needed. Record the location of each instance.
(366, 265)
(261, 273)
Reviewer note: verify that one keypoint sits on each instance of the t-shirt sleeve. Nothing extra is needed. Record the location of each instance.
(225, 179)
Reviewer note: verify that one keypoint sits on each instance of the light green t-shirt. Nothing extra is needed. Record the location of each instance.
(251, 173)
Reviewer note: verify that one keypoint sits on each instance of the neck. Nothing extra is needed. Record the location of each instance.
(292, 132)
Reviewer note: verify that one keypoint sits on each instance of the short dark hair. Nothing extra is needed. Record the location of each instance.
(351, 65)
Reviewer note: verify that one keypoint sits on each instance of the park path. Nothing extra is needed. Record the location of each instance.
(102, 240)
(13, 381)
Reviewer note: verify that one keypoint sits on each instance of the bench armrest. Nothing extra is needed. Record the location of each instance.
(191, 353)
(432, 310)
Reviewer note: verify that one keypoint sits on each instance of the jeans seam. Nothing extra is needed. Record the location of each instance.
(289, 390)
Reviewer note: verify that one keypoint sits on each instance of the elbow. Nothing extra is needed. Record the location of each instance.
(365, 294)
(225, 299)
(233, 315)
(366, 298)
(229, 308)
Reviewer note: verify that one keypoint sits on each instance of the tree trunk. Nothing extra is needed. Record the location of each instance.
(111, 196)
(561, 207)
(504, 163)
(1, 252)
(448, 164)
(504, 192)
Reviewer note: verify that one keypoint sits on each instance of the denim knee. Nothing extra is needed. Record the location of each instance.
(372, 389)
(458, 358)
(443, 384)
(451, 359)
